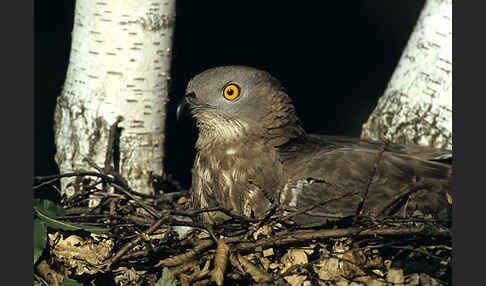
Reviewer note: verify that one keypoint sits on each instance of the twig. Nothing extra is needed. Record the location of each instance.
(185, 257)
(399, 199)
(258, 274)
(306, 235)
(172, 196)
(229, 213)
(45, 183)
(360, 209)
(124, 188)
(134, 242)
(110, 146)
(320, 203)
(418, 251)
(220, 261)
(265, 219)
(106, 178)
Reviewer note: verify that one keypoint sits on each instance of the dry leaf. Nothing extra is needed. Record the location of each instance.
(328, 269)
(258, 274)
(268, 252)
(378, 272)
(265, 230)
(50, 275)
(264, 261)
(274, 265)
(295, 280)
(352, 261)
(369, 281)
(395, 276)
(293, 257)
(182, 200)
(84, 256)
(449, 198)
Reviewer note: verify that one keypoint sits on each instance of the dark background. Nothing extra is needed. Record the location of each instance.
(334, 58)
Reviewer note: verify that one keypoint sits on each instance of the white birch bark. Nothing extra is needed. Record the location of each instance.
(119, 66)
(417, 104)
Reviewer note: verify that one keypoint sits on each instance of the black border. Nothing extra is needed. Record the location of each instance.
(17, 140)
(468, 127)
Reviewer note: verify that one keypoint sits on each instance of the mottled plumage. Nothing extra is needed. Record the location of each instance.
(252, 153)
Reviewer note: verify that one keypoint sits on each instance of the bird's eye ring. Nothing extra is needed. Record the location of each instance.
(231, 91)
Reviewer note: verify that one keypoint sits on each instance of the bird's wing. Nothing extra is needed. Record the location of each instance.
(327, 168)
(412, 150)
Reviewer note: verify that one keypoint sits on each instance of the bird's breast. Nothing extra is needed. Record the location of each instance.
(240, 177)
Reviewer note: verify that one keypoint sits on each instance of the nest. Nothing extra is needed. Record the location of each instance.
(108, 234)
(134, 239)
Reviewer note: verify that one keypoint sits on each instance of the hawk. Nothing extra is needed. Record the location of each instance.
(252, 155)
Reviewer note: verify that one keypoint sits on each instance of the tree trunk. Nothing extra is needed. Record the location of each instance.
(119, 66)
(417, 104)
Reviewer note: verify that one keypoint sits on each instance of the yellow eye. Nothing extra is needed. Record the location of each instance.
(231, 91)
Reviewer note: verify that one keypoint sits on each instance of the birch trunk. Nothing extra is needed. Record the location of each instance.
(417, 104)
(119, 66)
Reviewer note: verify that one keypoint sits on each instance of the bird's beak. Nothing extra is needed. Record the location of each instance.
(184, 105)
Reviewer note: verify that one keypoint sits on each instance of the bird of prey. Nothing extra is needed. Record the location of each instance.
(253, 155)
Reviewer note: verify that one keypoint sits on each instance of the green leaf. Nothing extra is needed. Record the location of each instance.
(443, 215)
(167, 279)
(49, 208)
(40, 239)
(45, 210)
(70, 282)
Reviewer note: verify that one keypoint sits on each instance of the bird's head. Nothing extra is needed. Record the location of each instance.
(231, 102)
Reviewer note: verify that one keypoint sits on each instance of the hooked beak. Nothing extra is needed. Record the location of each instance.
(184, 105)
